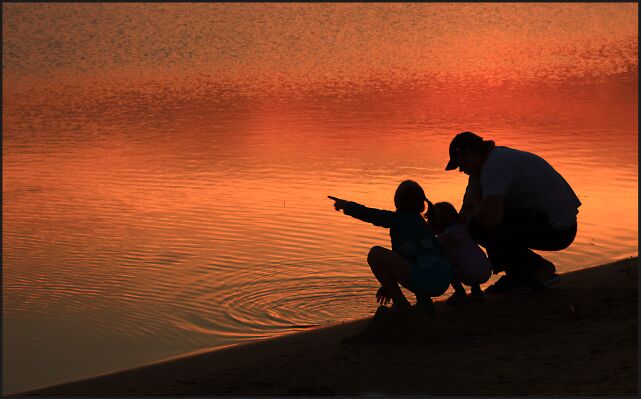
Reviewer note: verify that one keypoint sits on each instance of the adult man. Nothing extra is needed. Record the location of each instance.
(514, 202)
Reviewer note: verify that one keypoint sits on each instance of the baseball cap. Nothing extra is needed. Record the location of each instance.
(460, 142)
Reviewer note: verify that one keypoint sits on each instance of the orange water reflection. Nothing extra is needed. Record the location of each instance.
(251, 158)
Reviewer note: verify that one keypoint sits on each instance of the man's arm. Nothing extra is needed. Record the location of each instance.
(467, 211)
(471, 200)
(490, 213)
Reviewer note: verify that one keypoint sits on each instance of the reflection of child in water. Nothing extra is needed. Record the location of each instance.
(469, 263)
(417, 261)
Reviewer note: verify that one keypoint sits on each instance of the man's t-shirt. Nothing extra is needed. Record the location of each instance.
(528, 182)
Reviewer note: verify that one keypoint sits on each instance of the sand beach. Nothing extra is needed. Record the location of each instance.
(578, 338)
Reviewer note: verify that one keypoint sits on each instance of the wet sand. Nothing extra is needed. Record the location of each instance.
(579, 337)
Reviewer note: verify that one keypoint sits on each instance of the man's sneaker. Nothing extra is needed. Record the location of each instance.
(543, 272)
(539, 286)
(532, 285)
(552, 280)
(543, 276)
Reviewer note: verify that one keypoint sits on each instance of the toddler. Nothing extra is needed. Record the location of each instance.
(469, 263)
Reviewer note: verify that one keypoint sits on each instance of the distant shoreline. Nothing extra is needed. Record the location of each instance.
(577, 338)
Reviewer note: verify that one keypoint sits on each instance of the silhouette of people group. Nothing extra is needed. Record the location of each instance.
(515, 202)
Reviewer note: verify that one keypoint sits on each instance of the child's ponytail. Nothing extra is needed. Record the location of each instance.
(431, 211)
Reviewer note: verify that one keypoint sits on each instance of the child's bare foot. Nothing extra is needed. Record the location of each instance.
(458, 298)
(476, 294)
(400, 306)
(424, 307)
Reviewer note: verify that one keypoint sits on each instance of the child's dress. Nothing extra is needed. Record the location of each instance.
(469, 263)
(413, 239)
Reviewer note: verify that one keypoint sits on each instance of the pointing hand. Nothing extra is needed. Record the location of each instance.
(338, 203)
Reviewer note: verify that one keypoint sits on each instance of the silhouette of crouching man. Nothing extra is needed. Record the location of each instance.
(514, 202)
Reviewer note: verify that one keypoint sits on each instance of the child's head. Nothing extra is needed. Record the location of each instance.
(441, 215)
(409, 197)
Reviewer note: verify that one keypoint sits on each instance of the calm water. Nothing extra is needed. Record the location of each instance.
(157, 203)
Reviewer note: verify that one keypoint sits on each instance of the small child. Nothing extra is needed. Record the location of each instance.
(469, 263)
(417, 261)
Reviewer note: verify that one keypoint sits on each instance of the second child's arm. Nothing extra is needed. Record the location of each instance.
(377, 217)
